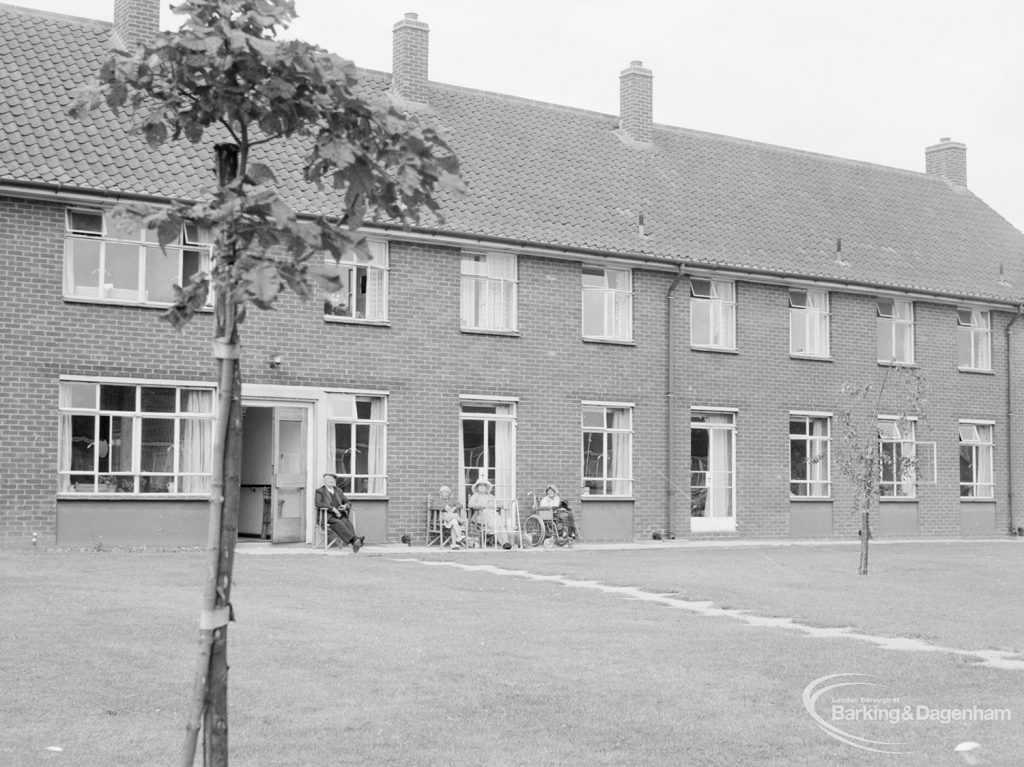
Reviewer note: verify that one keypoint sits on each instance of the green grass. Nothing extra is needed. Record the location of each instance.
(374, 660)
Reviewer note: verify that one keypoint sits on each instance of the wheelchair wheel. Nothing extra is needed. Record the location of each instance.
(533, 530)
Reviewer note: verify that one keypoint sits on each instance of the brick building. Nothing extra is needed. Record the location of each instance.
(656, 319)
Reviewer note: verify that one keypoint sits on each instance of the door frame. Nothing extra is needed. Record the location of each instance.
(309, 405)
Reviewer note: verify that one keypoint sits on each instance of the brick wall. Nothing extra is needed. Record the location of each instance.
(425, 362)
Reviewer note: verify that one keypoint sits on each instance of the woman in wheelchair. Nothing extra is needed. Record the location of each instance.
(553, 522)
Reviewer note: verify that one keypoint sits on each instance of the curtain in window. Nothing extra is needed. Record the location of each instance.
(818, 458)
(815, 316)
(196, 441)
(504, 452)
(720, 474)
(64, 451)
(377, 484)
(983, 468)
(620, 460)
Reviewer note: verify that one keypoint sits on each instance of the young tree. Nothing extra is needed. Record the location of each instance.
(866, 456)
(225, 80)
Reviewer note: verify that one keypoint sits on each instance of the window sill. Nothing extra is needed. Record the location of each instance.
(897, 499)
(484, 332)
(356, 321)
(611, 341)
(810, 357)
(810, 499)
(136, 304)
(620, 498)
(976, 499)
(713, 349)
(73, 496)
(897, 364)
(977, 371)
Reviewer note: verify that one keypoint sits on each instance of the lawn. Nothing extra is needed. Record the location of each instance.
(404, 659)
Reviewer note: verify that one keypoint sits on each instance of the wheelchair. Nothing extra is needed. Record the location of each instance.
(547, 527)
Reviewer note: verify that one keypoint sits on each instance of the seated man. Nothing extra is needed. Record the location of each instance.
(329, 497)
(452, 518)
(488, 514)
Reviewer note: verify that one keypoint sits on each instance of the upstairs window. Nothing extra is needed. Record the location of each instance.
(808, 323)
(974, 339)
(976, 460)
(607, 304)
(895, 330)
(712, 314)
(106, 263)
(363, 294)
(489, 292)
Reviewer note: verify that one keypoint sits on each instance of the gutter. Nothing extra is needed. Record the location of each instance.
(1009, 415)
(670, 415)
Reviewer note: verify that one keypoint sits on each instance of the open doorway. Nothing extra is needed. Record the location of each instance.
(274, 502)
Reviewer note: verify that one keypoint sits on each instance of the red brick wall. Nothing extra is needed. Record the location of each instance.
(426, 362)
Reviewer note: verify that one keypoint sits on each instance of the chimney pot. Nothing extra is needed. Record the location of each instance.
(136, 22)
(636, 102)
(948, 160)
(409, 56)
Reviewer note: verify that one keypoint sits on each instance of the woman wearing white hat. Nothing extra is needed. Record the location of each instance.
(487, 513)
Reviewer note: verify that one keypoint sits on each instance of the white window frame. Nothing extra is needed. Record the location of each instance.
(342, 410)
(615, 303)
(606, 483)
(367, 285)
(981, 450)
(809, 310)
(190, 471)
(716, 299)
(489, 290)
(703, 524)
(895, 319)
(820, 464)
(111, 243)
(974, 331)
(499, 420)
(901, 434)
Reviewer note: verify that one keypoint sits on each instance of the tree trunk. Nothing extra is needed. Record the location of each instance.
(209, 696)
(865, 536)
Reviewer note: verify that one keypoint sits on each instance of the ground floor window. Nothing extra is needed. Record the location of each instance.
(488, 437)
(607, 449)
(976, 460)
(897, 458)
(357, 440)
(120, 437)
(809, 452)
(712, 475)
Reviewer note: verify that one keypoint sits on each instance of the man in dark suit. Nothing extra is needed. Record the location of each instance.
(329, 497)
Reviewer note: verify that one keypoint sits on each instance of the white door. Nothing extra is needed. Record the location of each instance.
(290, 495)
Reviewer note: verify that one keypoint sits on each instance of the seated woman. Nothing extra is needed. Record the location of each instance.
(452, 518)
(552, 505)
(488, 514)
(329, 497)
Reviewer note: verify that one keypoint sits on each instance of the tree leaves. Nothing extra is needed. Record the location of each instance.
(225, 69)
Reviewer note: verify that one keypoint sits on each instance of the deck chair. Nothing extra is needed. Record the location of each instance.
(322, 534)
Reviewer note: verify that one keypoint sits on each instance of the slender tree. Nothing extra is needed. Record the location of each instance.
(224, 80)
(860, 457)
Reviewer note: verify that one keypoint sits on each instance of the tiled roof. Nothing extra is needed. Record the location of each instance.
(550, 175)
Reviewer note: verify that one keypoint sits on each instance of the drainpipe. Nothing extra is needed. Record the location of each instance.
(670, 419)
(1009, 414)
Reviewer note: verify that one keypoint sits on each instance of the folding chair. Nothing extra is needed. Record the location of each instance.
(322, 534)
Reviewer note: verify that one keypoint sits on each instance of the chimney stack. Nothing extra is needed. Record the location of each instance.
(136, 22)
(409, 59)
(947, 159)
(636, 101)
